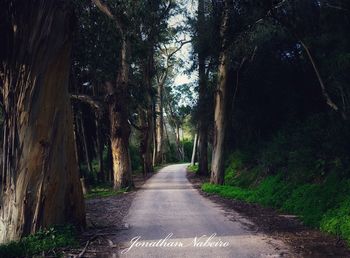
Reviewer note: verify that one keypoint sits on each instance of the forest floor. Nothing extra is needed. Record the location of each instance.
(305, 242)
(104, 218)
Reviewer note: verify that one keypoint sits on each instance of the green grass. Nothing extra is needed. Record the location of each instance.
(103, 190)
(47, 241)
(325, 206)
(192, 168)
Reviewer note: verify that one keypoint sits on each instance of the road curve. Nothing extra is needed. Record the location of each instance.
(169, 218)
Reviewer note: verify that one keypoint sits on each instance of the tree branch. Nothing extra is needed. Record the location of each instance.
(95, 104)
(103, 8)
(336, 7)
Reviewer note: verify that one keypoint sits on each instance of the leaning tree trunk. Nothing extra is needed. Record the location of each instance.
(120, 128)
(217, 164)
(40, 183)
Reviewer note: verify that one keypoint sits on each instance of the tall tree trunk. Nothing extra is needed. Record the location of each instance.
(159, 124)
(118, 105)
(202, 125)
(194, 151)
(217, 164)
(120, 128)
(40, 173)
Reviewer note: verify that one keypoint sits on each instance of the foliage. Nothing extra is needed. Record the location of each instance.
(47, 241)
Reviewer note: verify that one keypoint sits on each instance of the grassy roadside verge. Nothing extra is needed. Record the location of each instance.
(102, 190)
(324, 206)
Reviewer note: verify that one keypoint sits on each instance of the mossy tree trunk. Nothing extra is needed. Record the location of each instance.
(40, 182)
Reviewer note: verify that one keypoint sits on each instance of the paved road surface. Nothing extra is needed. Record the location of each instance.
(174, 220)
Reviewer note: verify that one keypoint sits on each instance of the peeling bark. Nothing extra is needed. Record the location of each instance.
(40, 172)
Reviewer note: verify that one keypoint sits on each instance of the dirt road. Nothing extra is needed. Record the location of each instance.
(169, 218)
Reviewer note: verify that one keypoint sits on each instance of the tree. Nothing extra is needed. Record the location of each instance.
(118, 97)
(203, 91)
(217, 164)
(40, 183)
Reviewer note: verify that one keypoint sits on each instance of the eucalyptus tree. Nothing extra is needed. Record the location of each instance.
(220, 119)
(39, 185)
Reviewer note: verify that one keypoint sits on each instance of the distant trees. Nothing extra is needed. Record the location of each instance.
(39, 183)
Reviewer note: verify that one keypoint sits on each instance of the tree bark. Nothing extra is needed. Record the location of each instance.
(217, 164)
(40, 173)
